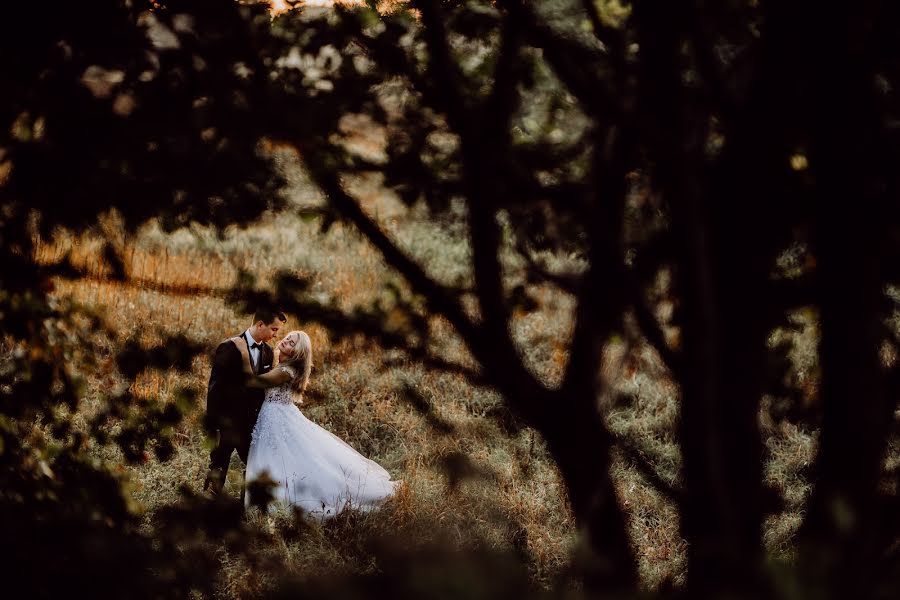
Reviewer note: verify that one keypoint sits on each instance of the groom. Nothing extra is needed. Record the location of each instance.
(231, 407)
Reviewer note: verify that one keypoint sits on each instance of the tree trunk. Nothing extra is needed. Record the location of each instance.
(848, 161)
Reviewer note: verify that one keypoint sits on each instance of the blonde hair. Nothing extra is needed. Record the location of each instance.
(301, 361)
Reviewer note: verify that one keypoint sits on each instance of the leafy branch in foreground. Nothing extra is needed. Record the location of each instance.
(751, 131)
(720, 163)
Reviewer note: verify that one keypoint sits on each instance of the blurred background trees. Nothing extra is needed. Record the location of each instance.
(729, 160)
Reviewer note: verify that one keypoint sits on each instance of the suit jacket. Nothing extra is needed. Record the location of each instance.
(229, 402)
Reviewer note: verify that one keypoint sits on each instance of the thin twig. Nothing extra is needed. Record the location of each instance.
(647, 471)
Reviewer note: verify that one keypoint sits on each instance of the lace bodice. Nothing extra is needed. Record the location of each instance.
(282, 393)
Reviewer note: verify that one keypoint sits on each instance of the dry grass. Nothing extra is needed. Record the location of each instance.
(512, 498)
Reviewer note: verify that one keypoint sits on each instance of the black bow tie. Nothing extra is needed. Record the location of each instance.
(255, 345)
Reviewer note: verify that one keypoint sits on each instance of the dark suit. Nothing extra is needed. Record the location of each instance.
(232, 407)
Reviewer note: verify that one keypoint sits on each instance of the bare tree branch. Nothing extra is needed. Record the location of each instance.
(480, 164)
(473, 376)
(575, 64)
(441, 67)
(441, 299)
(654, 334)
(639, 460)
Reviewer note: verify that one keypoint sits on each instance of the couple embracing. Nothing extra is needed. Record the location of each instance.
(251, 408)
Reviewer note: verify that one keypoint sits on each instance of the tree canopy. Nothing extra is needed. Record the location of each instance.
(704, 140)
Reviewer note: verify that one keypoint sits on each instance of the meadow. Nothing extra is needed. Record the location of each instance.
(474, 478)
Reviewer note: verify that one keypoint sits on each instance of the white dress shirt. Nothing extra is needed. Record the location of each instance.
(254, 352)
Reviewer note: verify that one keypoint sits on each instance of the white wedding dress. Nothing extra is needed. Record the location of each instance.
(314, 469)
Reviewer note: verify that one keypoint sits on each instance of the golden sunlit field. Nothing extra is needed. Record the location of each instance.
(475, 481)
(584, 299)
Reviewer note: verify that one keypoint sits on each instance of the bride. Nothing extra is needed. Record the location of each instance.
(314, 469)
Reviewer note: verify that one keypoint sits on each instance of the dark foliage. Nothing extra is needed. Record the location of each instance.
(699, 139)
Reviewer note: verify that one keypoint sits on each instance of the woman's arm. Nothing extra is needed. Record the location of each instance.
(266, 380)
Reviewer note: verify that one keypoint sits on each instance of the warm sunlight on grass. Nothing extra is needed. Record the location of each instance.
(509, 497)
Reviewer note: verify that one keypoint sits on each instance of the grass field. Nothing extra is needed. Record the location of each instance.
(509, 497)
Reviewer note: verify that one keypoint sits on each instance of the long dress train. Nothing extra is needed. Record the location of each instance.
(314, 469)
